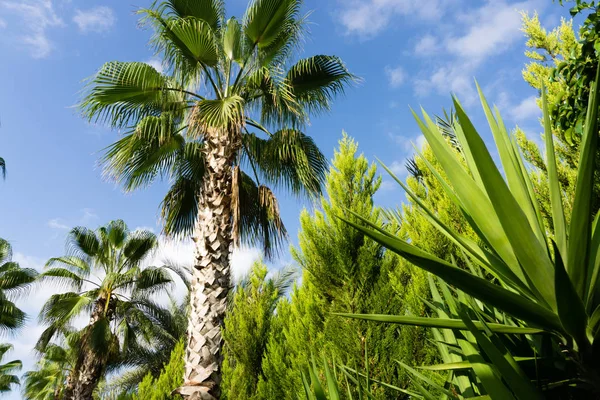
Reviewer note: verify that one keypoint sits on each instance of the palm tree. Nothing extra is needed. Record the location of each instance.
(7, 379)
(14, 281)
(51, 380)
(232, 98)
(116, 299)
(168, 328)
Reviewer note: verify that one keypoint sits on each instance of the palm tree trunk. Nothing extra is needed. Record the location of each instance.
(90, 365)
(210, 276)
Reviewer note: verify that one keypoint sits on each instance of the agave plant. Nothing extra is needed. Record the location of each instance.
(547, 283)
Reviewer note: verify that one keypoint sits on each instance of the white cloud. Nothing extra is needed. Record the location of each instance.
(396, 76)
(397, 167)
(427, 45)
(156, 64)
(56, 224)
(36, 16)
(526, 109)
(490, 30)
(98, 19)
(452, 78)
(2, 24)
(369, 17)
(88, 217)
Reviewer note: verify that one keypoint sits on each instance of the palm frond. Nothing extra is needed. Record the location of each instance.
(266, 20)
(82, 243)
(73, 264)
(63, 277)
(260, 222)
(210, 11)
(317, 80)
(179, 207)
(219, 113)
(11, 317)
(152, 280)
(123, 93)
(147, 152)
(64, 307)
(3, 167)
(288, 159)
(139, 245)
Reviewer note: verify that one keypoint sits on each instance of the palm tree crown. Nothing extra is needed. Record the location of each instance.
(14, 281)
(104, 270)
(219, 74)
(7, 377)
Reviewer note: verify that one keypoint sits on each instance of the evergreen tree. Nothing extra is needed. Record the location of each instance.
(170, 378)
(343, 272)
(247, 329)
(550, 52)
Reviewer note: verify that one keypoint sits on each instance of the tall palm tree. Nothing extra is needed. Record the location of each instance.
(14, 281)
(232, 99)
(7, 377)
(116, 298)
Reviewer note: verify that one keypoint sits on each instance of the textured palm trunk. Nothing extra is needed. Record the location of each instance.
(90, 365)
(210, 276)
(67, 393)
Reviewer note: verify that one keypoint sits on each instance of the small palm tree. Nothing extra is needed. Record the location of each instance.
(117, 299)
(7, 379)
(169, 325)
(51, 379)
(232, 99)
(14, 281)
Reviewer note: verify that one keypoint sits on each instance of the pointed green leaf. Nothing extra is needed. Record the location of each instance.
(580, 227)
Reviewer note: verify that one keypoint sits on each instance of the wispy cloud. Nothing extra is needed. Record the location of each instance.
(98, 19)
(527, 109)
(367, 18)
(56, 223)
(35, 17)
(156, 64)
(88, 216)
(427, 45)
(396, 76)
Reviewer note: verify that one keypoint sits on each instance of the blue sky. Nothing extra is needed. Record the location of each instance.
(407, 52)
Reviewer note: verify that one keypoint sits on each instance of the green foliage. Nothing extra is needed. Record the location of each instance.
(170, 378)
(248, 328)
(14, 282)
(247, 93)
(52, 374)
(562, 63)
(537, 282)
(124, 321)
(7, 370)
(344, 272)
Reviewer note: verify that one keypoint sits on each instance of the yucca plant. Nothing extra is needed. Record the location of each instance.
(110, 286)
(547, 283)
(232, 99)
